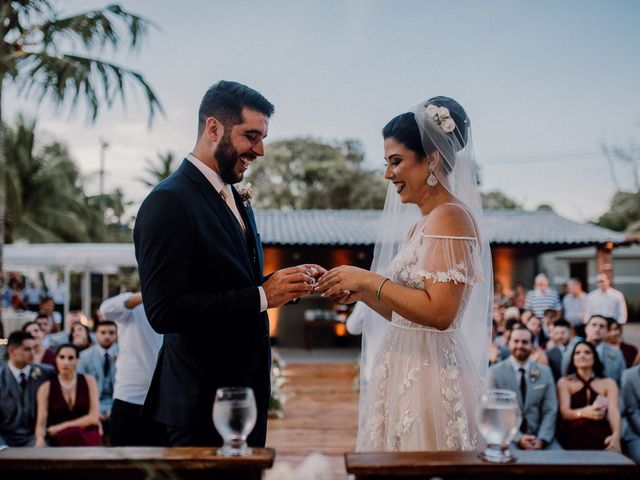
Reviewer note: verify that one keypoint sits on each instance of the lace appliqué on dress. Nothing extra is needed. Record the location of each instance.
(457, 274)
(457, 427)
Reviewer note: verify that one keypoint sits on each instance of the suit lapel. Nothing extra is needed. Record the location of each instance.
(98, 367)
(530, 384)
(253, 244)
(11, 384)
(220, 208)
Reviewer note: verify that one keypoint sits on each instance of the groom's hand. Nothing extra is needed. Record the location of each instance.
(290, 283)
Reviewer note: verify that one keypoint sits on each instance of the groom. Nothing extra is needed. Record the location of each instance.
(201, 272)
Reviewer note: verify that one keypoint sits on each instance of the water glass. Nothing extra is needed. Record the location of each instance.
(234, 416)
(498, 420)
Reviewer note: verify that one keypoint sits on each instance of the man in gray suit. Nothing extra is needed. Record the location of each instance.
(19, 382)
(100, 362)
(630, 396)
(596, 331)
(535, 390)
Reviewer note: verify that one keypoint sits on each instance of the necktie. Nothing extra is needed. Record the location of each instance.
(227, 194)
(107, 365)
(23, 381)
(523, 392)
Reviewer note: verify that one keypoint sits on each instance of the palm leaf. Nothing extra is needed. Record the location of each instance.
(96, 28)
(71, 78)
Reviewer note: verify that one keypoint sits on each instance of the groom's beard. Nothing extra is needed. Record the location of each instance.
(226, 157)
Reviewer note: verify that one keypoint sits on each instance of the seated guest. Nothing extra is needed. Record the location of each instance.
(41, 354)
(535, 390)
(560, 340)
(80, 336)
(68, 405)
(629, 352)
(47, 307)
(631, 413)
(45, 327)
(596, 330)
(589, 404)
(64, 336)
(534, 325)
(100, 362)
(550, 315)
(19, 382)
(494, 347)
(500, 346)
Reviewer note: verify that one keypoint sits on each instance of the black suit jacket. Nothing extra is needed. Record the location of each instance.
(199, 277)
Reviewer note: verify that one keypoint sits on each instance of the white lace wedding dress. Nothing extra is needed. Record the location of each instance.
(424, 388)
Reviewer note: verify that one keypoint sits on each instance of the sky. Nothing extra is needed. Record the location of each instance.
(546, 84)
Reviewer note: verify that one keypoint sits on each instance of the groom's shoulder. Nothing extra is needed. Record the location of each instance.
(176, 184)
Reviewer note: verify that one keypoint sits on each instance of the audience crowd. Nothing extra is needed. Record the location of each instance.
(576, 380)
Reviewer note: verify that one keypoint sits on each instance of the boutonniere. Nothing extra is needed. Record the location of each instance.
(36, 373)
(534, 374)
(611, 355)
(245, 194)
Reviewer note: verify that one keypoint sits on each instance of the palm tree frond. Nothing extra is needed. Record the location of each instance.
(74, 77)
(96, 28)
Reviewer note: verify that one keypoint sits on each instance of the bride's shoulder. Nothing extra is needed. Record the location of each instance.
(449, 219)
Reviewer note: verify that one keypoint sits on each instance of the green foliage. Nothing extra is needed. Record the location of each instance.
(304, 173)
(496, 200)
(31, 56)
(45, 198)
(158, 170)
(623, 214)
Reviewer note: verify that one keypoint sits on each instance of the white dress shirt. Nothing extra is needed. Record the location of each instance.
(517, 366)
(609, 303)
(17, 371)
(138, 352)
(218, 184)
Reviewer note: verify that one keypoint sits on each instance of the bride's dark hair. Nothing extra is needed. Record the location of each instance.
(404, 128)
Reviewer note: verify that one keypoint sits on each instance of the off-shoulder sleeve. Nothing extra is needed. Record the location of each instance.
(443, 258)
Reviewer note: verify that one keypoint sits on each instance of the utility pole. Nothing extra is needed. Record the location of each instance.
(103, 148)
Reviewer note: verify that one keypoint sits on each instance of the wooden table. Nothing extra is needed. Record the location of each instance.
(544, 465)
(131, 463)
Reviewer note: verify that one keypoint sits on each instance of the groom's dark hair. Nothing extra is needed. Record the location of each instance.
(225, 100)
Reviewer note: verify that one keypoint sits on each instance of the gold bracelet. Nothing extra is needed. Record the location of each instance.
(379, 290)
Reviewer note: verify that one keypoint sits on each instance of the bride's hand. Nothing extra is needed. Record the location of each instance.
(336, 281)
(350, 297)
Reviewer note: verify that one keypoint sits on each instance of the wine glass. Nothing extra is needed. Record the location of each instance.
(234, 416)
(498, 421)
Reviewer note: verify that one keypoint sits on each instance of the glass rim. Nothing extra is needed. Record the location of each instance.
(233, 390)
(499, 392)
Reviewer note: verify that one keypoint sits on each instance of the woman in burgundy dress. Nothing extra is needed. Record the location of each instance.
(68, 405)
(589, 404)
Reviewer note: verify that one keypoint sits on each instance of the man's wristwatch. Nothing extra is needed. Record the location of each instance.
(579, 413)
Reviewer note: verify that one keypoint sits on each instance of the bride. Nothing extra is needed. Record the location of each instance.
(424, 307)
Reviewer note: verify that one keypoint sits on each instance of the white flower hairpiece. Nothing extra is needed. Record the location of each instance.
(245, 193)
(442, 118)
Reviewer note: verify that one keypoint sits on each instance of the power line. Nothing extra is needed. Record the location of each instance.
(517, 160)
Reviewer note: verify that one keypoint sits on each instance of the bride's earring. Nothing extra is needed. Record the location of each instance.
(432, 180)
